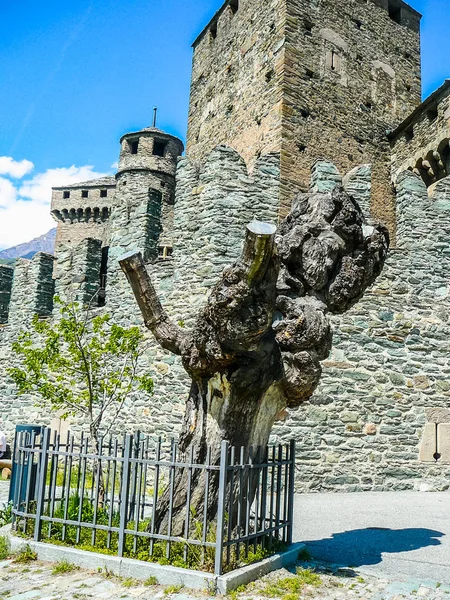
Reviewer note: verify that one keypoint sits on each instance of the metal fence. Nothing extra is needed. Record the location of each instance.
(110, 496)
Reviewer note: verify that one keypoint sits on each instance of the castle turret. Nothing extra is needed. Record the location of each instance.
(146, 187)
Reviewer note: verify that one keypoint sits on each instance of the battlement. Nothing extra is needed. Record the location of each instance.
(32, 289)
(6, 279)
(309, 80)
(149, 149)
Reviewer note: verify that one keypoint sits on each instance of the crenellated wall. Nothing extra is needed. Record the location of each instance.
(363, 427)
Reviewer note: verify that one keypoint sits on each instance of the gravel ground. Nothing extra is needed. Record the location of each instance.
(36, 580)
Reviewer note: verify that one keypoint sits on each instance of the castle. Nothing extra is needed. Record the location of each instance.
(286, 96)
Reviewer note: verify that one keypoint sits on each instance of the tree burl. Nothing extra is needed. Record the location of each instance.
(257, 345)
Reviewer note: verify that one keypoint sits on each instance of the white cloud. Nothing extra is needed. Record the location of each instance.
(8, 193)
(15, 168)
(25, 208)
(39, 189)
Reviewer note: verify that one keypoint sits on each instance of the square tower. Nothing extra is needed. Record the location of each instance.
(309, 79)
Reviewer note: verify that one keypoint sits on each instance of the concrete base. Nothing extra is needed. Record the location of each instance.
(166, 575)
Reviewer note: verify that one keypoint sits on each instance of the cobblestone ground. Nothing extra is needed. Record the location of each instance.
(40, 581)
(4, 491)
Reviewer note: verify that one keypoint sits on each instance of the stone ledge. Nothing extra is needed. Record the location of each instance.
(166, 575)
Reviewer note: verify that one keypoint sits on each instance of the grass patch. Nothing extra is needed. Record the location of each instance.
(151, 581)
(63, 566)
(5, 515)
(289, 586)
(129, 582)
(197, 558)
(25, 555)
(172, 589)
(5, 547)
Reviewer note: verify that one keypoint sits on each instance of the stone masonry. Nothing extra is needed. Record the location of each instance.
(364, 426)
(309, 79)
(287, 85)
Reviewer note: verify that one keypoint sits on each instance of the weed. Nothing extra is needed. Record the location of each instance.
(172, 589)
(64, 566)
(151, 581)
(5, 547)
(130, 582)
(25, 555)
(234, 594)
(360, 579)
(5, 514)
(292, 585)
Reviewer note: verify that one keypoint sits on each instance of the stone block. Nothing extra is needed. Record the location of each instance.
(428, 445)
(438, 415)
(443, 436)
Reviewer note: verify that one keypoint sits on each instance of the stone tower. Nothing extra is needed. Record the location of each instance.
(142, 217)
(309, 79)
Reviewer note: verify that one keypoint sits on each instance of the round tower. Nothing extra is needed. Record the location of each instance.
(146, 185)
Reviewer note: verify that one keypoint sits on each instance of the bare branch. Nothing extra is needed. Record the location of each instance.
(168, 335)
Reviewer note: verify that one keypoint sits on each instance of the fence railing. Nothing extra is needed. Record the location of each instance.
(141, 498)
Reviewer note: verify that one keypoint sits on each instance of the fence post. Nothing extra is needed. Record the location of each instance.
(124, 493)
(291, 489)
(221, 507)
(41, 482)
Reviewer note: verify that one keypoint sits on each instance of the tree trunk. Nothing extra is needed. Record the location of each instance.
(256, 346)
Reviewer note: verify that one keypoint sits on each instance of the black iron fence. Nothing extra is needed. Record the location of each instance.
(144, 499)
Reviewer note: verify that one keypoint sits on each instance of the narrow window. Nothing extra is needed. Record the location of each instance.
(134, 146)
(213, 30)
(307, 27)
(432, 113)
(409, 133)
(159, 148)
(234, 5)
(395, 12)
(66, 195)
(103, 272)
(85, 194)
(103, 193)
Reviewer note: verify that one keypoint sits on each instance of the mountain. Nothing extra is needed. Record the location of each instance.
(43, 243)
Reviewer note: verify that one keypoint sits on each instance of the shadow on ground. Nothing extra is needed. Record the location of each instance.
(362, 547)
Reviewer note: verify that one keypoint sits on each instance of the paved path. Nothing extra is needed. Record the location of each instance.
(395, 546)
(404, 535)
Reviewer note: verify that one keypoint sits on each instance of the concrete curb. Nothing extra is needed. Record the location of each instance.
(166, 575)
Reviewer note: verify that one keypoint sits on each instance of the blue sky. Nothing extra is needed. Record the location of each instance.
(77, 74)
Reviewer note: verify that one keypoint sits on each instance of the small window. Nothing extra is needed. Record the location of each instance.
(213, 30)
(432, 113)
(409, 133)
(103, 193)
(85, 194)
(159, 148)
(269, 75)
(309, 74)
(307, 27)
(395, 12)
(66, 195)
(234, 5)
(134, 146)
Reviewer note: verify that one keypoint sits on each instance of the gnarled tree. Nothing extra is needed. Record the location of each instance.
(256, 346)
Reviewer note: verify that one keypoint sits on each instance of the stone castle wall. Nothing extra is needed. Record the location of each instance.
(363, 427)
(346, 81)
(311, 80)
(422, 142)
